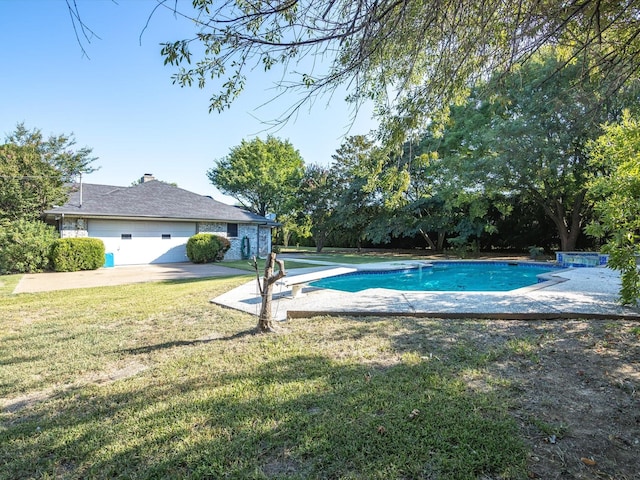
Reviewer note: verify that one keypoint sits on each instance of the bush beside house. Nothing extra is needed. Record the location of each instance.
(73, 254)
(207, 248)
(25, 246)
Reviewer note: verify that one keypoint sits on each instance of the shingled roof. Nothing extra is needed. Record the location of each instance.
(150, 200)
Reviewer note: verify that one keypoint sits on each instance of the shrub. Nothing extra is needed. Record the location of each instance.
(535, 252)
(25, 246)
(225, 245)
(207, 248)
(73, 254)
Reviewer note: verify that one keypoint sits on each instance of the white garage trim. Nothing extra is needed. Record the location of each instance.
(135, 242)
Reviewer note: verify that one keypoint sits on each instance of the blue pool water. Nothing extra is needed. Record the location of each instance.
(442, 277)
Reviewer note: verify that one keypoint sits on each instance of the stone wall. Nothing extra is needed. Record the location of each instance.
(217, 228)
(265, 242)
(244, 230)
(74, 228)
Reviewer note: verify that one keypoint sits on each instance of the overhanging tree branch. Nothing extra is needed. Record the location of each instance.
(412, 59)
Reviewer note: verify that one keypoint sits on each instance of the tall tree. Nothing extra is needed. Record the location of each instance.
(528, 137)
(263, 176)
(436, 203)
(34, 176)
(28, 184)
(410, 57)
(615, 189)
(318, 199)
(365, 184)
(34, 172)
(59, 151)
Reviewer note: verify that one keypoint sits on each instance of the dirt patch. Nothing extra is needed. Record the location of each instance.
(577, 394)
(15, 404)
(114, 374)
(110, 375)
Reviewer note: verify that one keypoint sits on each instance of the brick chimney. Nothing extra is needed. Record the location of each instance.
(147, 177)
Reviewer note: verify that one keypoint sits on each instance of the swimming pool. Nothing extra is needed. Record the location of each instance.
(443, 277)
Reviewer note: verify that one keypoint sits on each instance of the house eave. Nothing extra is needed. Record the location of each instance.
(53, 214)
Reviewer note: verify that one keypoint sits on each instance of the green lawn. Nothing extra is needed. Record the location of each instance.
(153, 381)
(289, 264)
(352, 256)
(8, 283)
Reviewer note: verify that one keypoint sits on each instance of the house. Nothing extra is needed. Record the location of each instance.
(152, 221)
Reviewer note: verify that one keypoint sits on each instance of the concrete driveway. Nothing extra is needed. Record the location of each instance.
(44, 282)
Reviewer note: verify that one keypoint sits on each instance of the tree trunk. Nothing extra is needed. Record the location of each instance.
(265, 321)
(425, 235)
(441, 237)
(319, 239)
(565, 235)
(568, 228)
(576, 222)
(286, 236)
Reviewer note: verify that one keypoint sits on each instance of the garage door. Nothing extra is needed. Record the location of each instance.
(140, 242)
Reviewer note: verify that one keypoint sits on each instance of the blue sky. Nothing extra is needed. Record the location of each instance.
(121, 102)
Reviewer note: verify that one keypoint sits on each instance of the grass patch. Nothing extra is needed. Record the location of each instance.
(349, 256)
(558, 431)
(355, 258)
(8, 284)
(248, 266)
(152, 381)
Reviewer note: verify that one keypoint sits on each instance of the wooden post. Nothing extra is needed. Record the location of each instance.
(265, 321)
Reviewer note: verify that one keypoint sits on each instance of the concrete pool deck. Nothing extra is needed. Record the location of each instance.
(572, 293)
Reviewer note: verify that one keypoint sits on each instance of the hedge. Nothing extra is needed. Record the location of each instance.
(73, 254)
(207, 248)
(25, 246)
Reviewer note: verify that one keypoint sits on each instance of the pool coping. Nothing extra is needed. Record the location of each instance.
(568, 293)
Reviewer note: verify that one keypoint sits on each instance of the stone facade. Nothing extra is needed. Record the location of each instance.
(217, 228)
(259, 238)
(74, 228)
(265, 242)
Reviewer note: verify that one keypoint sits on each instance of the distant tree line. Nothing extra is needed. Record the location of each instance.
(509, 170)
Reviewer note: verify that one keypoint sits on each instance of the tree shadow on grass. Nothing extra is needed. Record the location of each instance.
(188, 343)
(297, 416)
(578, 376)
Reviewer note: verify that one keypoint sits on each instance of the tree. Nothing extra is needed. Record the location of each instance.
(34, 172)
(34, 176)
(539, 137)
(528, 137)
(364, 184)
(615, 189)
(411, 58)
(58, 151)
(28, 184)
(437, 203)
(263, 176)
(265, 320)
(317, 196)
